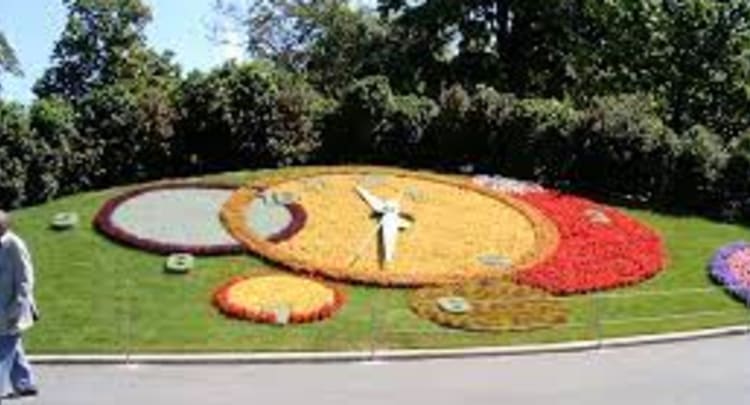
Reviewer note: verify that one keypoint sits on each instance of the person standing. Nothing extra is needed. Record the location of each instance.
(18, 312)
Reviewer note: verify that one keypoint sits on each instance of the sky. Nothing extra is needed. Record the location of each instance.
(33, 26)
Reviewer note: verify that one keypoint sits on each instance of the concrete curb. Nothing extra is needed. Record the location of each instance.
(384, 355)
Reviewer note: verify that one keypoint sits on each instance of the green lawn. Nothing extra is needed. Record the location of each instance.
(97, 296)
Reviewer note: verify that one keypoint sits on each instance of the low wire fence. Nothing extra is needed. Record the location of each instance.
(135, 322)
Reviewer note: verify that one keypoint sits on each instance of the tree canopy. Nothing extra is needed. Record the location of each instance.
(8, 60)
(103, 43)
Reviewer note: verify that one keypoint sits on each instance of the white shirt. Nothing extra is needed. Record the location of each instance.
(17, 305)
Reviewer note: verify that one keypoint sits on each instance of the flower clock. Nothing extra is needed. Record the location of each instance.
(402, 228)
(396, 228)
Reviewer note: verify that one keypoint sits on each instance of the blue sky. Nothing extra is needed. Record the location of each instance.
(33, 26)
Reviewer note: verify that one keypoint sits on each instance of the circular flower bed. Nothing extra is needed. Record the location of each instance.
(730, 266)
(449, 235)
(277, 299)
(488, 305)
(179, 217)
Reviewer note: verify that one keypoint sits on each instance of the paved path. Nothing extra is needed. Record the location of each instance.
(712, 371)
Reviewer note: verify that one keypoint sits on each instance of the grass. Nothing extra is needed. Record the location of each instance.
(100, 297)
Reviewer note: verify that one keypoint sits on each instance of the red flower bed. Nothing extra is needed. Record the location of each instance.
(600, 247)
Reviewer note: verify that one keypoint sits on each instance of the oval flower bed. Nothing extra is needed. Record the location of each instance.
(177, 218)
(277, 299)
(488, 305)
(730, 267)
(600, 247)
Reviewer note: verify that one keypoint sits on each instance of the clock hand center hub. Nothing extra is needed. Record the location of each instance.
(391, 207)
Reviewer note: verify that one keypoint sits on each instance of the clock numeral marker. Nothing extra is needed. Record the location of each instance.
(454, 305)
(270, 197)
(372, 180)
(414, 194)
(314, 184)
(495, 260)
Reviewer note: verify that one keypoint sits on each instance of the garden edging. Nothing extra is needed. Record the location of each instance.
(381, 355)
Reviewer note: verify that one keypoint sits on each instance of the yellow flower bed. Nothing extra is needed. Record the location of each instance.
(263, 298)
(300, 295)
(454, 224)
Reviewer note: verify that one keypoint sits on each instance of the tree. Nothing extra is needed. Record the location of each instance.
(15, 152)
(327, 40)
(8, 61)
(281, 30)
(520, 46)
(691, 54)
(102, 44)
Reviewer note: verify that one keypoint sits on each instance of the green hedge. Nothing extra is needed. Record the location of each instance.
(241, 116)
(245, 116)
(15, 152)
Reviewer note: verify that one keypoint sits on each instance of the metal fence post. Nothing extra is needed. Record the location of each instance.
(128, 319)
(373, 328)
(596, 321)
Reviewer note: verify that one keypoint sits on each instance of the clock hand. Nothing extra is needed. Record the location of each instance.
(374, 202)
(389, 226)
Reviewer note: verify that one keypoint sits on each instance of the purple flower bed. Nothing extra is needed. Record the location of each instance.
(730, 266)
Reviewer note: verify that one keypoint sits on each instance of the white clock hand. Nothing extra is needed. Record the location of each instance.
(389, 227)
(374, 202)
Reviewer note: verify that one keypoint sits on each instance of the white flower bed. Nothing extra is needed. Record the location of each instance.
(177, 216)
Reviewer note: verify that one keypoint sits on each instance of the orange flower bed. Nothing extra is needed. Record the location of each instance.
(268, 298)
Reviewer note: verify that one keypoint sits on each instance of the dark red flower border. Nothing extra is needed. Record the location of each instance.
(222, 303)
(593, 255)
(298, 221)
(104, 224)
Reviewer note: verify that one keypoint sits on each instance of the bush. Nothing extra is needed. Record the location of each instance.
(625, 148)
(535, 139)
(701, 158)
(130, 130)
(64, 160)
(373, 125)
(468, 127)
(251, 115)
(294, 135)
(223, 116)
(734, 184)
(486, 118)
(446, 142)
(15, 152)
(352, 130)
(400, 138)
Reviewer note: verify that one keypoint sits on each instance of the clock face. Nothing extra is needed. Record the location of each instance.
(391, 227)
